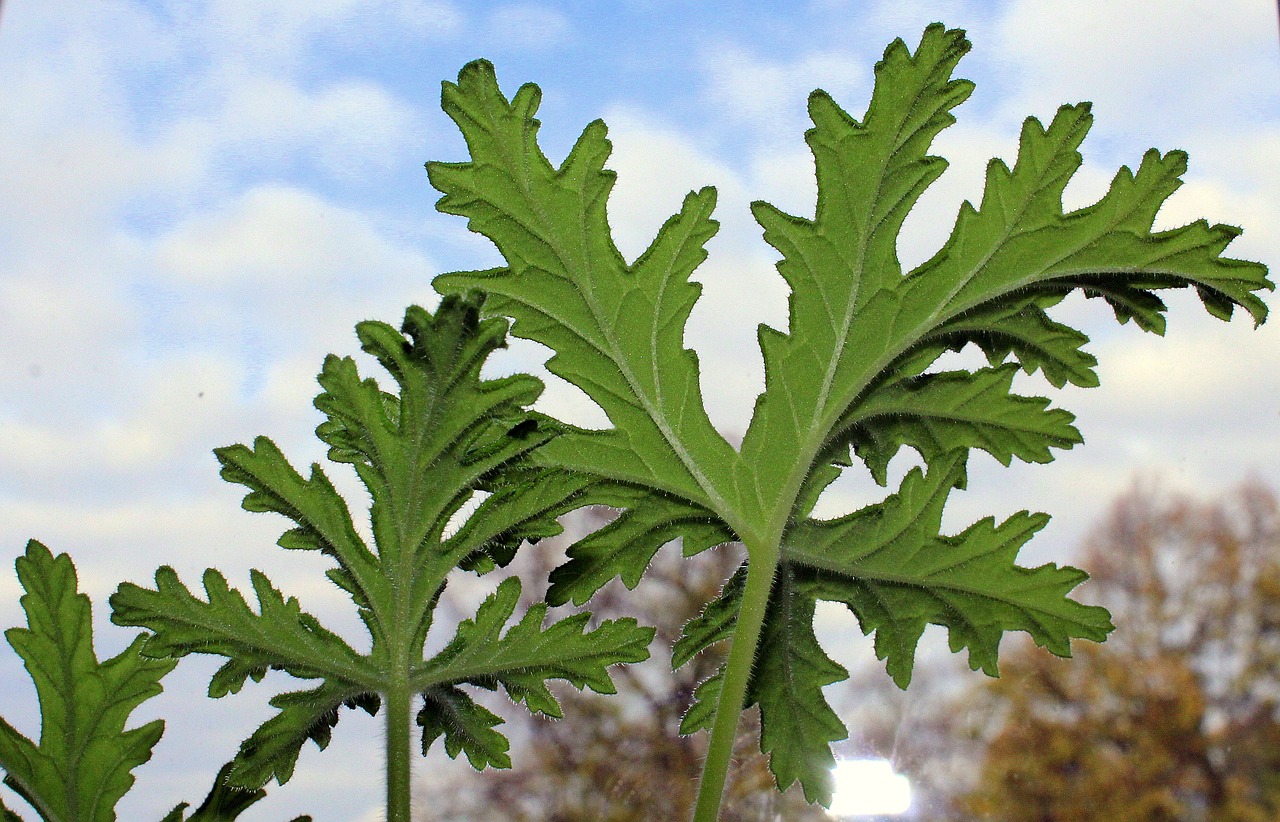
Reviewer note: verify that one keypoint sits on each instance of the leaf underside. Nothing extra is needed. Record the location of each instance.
(82, 765)
(849, 378)
(422, 452)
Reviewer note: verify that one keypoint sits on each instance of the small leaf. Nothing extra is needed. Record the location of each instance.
(422, 452)
(897, 573)
(271, 752)
(466, 728)
(714, 624)
(625, 547)
(529, 653)
(82, 766)
(797, 726)
(702, 710)
(939, 412)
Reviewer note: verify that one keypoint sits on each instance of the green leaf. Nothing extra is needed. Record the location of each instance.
(280, 634)
(272, 750)
(466, 727)
(715, 623)
(83, 763)
(617, 328)
(896, 572)
(1022, 328)
(423, 451)
(522, 659)
(796, 723)
(939, 412)
(852, 374)
(625, 547)
(702, 710)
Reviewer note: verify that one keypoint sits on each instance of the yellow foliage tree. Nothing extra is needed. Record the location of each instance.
(1176, 716)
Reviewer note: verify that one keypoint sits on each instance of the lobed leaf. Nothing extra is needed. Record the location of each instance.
(445, 436)
(617, 329)
(280, 635)
(83, 763)
(466, 727)
(272, 750)
(944, 411)
(897, 573)
(625, 547)
(528, 654)
(850, 376)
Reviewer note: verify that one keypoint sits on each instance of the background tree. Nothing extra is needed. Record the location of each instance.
(1175, 717)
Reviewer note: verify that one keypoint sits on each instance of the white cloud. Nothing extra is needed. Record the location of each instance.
(172, 415)
(280, 238)
(1242, 159)
(66, 339)
(770, 94)
(348, 127)
(1173, 65)
(277, 37)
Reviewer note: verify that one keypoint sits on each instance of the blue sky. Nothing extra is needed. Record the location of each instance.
(199, 199)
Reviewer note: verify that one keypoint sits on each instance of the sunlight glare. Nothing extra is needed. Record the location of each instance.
(869, 787)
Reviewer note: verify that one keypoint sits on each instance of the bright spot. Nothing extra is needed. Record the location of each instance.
(869, 787)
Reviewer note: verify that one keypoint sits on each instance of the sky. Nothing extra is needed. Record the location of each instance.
(198, 200)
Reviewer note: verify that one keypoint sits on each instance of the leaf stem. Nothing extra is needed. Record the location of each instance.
(398, 699)
(737, 674)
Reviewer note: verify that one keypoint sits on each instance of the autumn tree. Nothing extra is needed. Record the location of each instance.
(1175, 717)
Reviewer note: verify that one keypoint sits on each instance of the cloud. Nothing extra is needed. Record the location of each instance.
(1150, 66)
(166, 418)
(345, 128)
(770, 94)
(280, 37)
(281, 238)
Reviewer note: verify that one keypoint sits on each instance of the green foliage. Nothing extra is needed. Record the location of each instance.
(83, 764)
(850, 377)
(422, 453)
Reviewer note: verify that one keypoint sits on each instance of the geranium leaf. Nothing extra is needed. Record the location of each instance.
(851, 375)
(423, 451)
(83, 763)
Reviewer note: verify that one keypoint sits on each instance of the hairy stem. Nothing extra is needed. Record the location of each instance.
(398, 704)
(737, 673)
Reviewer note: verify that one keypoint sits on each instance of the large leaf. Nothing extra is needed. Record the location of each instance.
(422, 452)
(850, 376)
